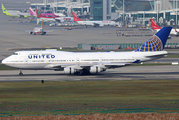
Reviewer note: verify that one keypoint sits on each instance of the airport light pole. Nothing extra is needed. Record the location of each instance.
(82, 8)
(176, 12)
(123, 11)
(55, 1)
(57, 7)
(45, 2)
(157, 10)
(173, 4)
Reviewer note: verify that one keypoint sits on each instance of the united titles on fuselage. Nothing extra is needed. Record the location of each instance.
(37, 56)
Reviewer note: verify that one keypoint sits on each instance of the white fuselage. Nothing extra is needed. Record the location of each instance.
(18, 13)
(65, 19)
(100, 23)
(47, 19)
(38, 30)
(59, 14)
(59, 59)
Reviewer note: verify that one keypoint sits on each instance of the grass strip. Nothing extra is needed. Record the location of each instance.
(77, 97)
(4, 67)
(89, 90)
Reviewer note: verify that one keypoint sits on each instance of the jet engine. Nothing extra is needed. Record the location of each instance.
(95, 69)
(69, 70)
(43, 33)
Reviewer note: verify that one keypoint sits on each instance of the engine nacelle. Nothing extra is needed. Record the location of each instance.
(69, 70)
(95, 69)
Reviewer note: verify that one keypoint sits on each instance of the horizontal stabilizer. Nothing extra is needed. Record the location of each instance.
(157, 55)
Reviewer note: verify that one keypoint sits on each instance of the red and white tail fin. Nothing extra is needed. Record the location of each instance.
(75, 17)
(154, 25)
(41, 23)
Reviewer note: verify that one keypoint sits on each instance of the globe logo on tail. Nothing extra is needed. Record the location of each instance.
(153, 44)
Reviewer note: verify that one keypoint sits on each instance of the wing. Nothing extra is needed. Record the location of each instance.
(23, 30)
(96, 24)
(88, 65)
(20, 15)
(28, 30)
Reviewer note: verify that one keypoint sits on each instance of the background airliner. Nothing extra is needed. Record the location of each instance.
(15, 13)
(46, 18)
(38, 30)
(88, 62)
(51, 18)
(32, 12)
(93, 23)
(157, 28)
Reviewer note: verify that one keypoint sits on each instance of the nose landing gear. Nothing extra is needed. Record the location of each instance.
(21, 74)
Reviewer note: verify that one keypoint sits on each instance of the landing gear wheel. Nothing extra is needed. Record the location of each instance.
(21, 74)
(84, 72)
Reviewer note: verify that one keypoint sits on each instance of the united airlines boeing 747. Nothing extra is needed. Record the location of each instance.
(89, 62)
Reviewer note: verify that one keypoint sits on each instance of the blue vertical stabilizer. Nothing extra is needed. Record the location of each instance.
(156, 42)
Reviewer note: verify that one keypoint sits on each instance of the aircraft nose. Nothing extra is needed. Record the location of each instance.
(3, 61)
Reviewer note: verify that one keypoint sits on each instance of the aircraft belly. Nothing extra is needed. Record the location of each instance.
(29, 66)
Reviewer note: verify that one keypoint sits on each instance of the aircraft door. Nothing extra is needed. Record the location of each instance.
(26, 60)
(77, 60)
(101, 60)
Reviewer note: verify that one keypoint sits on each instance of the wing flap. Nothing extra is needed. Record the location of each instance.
(48, 30)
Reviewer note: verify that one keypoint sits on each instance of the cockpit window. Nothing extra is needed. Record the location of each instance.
(15, 54)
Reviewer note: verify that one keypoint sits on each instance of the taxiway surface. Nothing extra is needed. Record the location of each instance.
(167, 72)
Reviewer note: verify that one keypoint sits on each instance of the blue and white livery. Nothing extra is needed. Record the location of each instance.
(89, 62)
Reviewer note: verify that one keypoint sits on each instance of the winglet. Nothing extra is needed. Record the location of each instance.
(75, 17)
(156, 42)
(154, 25)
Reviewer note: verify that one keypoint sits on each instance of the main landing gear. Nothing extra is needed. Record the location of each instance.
(21, 74)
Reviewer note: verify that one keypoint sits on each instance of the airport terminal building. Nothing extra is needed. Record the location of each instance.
(140, 11)
(130, 11)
